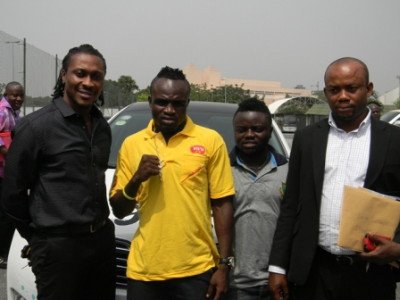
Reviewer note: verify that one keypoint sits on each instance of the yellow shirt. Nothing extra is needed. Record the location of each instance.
(175, 237)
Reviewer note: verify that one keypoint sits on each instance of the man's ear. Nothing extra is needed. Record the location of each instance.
(149, 99)
(370, 89)
(63, 73)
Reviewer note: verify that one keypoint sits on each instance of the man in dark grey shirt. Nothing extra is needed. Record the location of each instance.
(55, 178)
(260, 175)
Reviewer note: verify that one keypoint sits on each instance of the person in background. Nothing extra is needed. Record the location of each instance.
(376, 108)
(176, 172)
(10, 104)
(56, 193)
(349, 148)
(260, 175)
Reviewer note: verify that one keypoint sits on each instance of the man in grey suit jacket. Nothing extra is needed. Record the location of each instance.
(349, 148)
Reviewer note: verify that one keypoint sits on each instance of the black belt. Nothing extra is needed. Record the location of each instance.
(341, 260)
(72, 229)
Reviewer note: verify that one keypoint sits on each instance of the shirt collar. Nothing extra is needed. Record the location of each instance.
(364, 123)
(187, 130)
(4, 103)
(270, 164)
(67, 111)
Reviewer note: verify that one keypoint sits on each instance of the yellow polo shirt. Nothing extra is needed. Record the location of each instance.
(175, 237)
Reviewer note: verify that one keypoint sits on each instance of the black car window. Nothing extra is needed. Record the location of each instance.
(132, 120)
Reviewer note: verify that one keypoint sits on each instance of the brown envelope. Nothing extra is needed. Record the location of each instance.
(365, 211)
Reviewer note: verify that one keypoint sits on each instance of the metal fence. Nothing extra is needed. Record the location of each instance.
(19, 60)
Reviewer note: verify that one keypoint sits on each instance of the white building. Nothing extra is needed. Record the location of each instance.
(269, 91)
(390, 97)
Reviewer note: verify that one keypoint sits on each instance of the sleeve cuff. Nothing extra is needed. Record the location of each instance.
(277, 270)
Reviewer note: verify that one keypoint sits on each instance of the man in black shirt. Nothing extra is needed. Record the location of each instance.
(55, 178)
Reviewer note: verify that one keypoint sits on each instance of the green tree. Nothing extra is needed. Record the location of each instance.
(374, 97)
(120, 93)
(320, 95)
(112, 94)
(143, 95)
(127, 84)
(199, 92)
(127, 87)
(397, 103)
(226, 93)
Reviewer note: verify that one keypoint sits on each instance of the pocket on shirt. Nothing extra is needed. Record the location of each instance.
(193, 170)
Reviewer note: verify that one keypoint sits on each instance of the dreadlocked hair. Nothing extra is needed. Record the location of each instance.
(170, 73)
(87, 49)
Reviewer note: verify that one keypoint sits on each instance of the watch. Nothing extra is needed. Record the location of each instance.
(227, 261)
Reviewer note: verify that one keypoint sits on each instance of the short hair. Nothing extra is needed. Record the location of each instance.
(253, 104)
(170, 73)
(10, 84)
(374, 102)
(350, 59)
(87, 49)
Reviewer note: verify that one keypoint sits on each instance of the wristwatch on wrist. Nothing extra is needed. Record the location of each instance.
(227, 261)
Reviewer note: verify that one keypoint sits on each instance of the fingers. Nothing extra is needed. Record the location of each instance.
(278, 286)
(280, 294)
(149, 166)
(210, 291)
(285, 293)
(371, 241)
(378, 239)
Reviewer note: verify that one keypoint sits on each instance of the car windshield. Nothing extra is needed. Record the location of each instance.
(212, 115)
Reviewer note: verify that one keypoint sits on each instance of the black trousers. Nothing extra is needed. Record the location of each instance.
(6, 229)
(193, 288)
(346, 279)
(75, 267)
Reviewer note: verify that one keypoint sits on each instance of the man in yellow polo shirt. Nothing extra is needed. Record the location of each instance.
(176, 172)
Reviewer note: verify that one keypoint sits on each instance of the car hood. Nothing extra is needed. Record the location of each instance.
(124, 228)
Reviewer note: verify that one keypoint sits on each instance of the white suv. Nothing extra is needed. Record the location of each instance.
(134, 117)
(392, 117)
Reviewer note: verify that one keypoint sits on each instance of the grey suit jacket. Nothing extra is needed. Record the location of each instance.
(296, 236)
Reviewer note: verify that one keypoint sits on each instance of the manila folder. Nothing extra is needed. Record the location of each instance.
(365, 211)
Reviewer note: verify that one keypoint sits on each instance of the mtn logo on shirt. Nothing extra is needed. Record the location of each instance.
(198, 149)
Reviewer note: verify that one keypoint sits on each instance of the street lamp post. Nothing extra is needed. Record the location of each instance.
(24, 78)
(24, 65)
(12, 56)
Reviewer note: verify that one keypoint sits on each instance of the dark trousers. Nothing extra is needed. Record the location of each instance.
(346, 279)
(193, 288)
(252, 293)
(6, 229)
(75, 267)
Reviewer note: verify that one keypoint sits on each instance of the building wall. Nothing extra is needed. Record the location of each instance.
(40, 66)
(269, 91)
(390, 97)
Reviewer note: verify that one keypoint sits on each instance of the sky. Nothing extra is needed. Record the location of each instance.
(290, 41)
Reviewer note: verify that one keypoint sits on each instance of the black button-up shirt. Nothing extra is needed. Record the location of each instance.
(55, 171)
